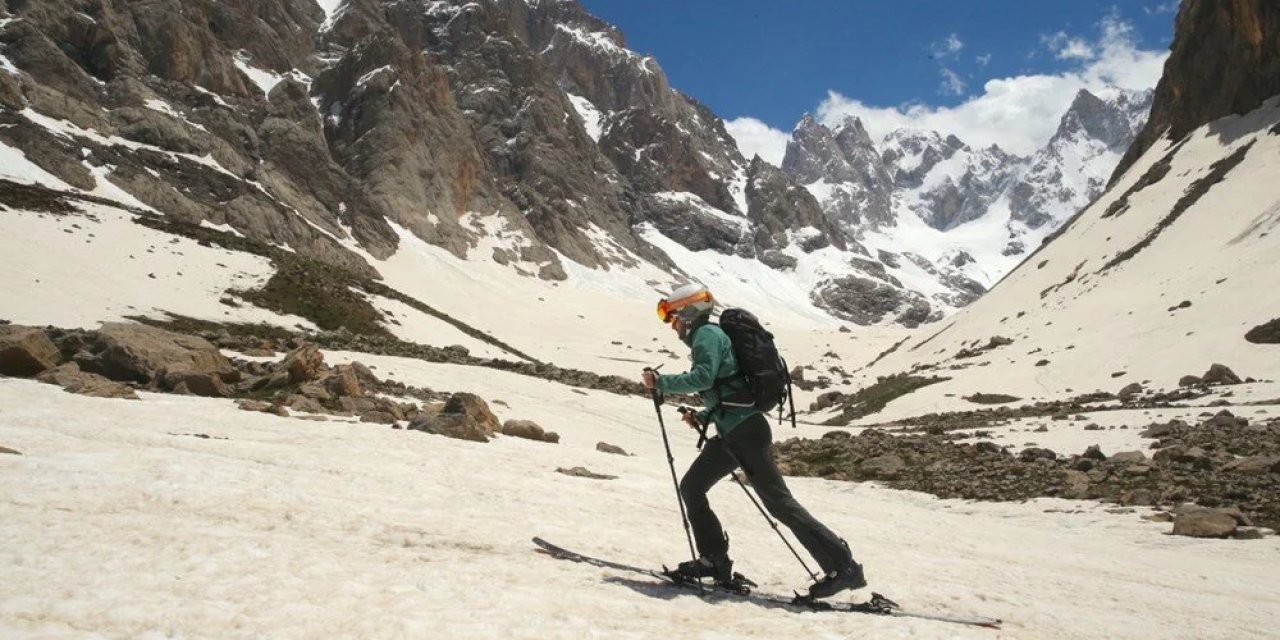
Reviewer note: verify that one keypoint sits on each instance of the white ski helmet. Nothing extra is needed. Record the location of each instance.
(689, 302)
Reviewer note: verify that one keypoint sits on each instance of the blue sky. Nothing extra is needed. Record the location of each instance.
(761, 64)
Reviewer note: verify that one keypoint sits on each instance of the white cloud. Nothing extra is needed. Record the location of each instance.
(952, 84)
(757, 138)
(1019, 113)
(949, 47)
(1065, 47)
(1167, 7)
(983, 60)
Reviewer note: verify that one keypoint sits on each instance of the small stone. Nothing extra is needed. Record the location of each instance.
(582, 472)
(605, 447)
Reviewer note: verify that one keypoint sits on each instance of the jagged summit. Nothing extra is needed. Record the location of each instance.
(929, 194)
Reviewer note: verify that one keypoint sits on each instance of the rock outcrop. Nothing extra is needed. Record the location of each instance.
(1223, 61)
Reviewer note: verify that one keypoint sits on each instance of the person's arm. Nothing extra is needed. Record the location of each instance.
(707, 356)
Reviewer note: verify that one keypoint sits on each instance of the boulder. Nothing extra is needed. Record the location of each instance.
(378, 417)
(826, 400)
(886, 467)
(315, 390)
(303, 364)
(1075, 485)
(199, 383)
(1129, 391)
(1189, 381)
(988, 447)
(8, 451)
(1125, 458)
(1220, 374)
(70, 377)
(476, 410)
(1032, 454)
(1223, 418)
(358, 406)
(1094, 452)
(1254, 465)
(610, 448)
(254, 405)
(458, 426)
(551, 437)
(526, 429)
(302, 403)
(1160, 430)
(141, 353)
(343, 382)
(25, 351)
(1206, 523)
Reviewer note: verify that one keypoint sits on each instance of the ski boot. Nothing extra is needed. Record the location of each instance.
(720, 571)
(849, 576)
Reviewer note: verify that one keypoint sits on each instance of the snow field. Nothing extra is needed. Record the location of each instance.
(289, 528)
(79, 270)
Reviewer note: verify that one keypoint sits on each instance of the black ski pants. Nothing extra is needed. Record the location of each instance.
(752, 444)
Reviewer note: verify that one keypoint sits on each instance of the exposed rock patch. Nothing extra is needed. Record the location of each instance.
(583, 472)
(605, 447)
(1225, 462)
(1266, 333)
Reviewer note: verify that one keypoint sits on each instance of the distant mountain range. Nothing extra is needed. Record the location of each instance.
(961, 217)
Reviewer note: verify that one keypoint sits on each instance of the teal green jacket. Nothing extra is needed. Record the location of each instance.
(712, 359)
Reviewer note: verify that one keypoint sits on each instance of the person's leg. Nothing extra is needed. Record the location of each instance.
(752, 443)
(711, 465)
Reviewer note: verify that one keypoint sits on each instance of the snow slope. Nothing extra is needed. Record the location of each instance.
(284, 528)
(79, 270)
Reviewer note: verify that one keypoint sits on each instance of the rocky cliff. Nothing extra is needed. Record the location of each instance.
(1225, 60)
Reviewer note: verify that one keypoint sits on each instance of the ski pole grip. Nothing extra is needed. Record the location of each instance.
(657, 397)
(702, 428)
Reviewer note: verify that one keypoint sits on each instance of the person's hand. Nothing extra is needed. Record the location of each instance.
(691, 418)
(650, 378)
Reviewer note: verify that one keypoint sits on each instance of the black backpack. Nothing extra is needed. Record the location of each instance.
(766, 374)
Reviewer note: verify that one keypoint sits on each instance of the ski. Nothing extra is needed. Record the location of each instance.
(877, 605)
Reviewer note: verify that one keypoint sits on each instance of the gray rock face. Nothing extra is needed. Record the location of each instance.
(867, 301)
(846, 157)
(777, 205)
(450, 120)
(167, 76)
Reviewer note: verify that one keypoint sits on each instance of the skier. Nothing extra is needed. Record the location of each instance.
(743, 433)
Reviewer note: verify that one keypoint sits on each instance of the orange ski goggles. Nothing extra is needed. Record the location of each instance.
(667, 308)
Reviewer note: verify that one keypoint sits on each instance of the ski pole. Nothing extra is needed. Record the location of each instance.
(702, 430)
(671, 463)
